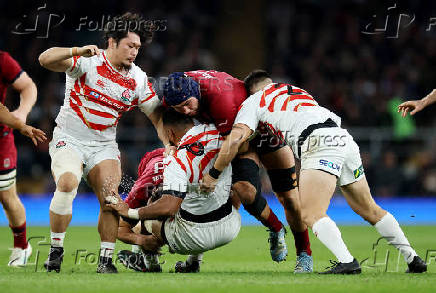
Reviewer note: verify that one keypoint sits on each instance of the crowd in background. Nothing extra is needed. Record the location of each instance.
(313, 44)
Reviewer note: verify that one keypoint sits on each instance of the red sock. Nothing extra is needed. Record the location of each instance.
(273, 222)
(302, 242)
(19, 232)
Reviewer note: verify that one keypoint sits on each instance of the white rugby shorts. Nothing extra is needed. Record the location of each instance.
(334, 151)
(185, 237)
(71, 155)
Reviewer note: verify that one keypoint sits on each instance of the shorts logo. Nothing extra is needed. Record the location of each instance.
(7, 163)
(331, 165)
(125, 96)
(358, 172)
(60, 144)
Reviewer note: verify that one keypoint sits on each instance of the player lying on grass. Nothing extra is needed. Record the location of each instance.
(197, 222)
(328, 156)
(214, 97)
(100, 87)
(415, 106)
(147, 189)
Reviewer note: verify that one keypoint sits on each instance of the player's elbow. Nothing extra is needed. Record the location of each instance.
(43, 59)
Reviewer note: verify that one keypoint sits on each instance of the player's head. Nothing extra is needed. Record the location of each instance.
(176, 125)
(124, 36)
(182, 93)
(256, 80)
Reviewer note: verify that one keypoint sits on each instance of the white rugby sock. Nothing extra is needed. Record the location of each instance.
(328, 233)
(107, 249)
(389, 228)
(57, 239)
(195, 257)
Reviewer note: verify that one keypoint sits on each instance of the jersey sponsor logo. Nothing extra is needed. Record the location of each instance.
(358, 172)
(6, 163)
(60, 144)
(195, 148)
(329, 164)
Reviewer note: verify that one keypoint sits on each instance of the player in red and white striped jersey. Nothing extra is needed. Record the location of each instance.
(100, 87)
(197, 221)
(328, 156)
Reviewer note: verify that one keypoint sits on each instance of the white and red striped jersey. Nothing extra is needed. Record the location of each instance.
(195, 155)
(285, 109)
(96, 95)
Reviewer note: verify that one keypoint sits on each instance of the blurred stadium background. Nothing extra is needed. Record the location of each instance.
(330, 49)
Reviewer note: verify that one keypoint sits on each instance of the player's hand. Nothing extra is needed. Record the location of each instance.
(115, 203)
(35, 134)
(88, 51)
(169, 150)
(411, 106)
(208, 183)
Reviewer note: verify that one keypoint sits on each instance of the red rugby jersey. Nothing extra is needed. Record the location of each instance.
(221, 96)
(150, 174)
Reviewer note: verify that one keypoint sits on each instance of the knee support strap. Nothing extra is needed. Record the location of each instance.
(257, 206)
(245, 170)
(62, 202)
(282, 179)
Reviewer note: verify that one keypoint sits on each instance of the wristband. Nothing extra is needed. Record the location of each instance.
(133, 214)
(214, 173)
(74, 51)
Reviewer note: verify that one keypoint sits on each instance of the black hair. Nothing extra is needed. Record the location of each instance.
(121, 25)
(174, 118)
(254, 77)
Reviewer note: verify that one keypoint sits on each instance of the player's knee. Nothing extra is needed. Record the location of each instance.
(245, 191)
(283, 180)
(373, 214)
(62, 202)
(67, 182)
(309, 217)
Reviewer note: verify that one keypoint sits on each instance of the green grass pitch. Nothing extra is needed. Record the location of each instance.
(242, 266)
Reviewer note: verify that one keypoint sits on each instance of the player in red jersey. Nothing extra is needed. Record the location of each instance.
(100, 87)
(12, 74)
(146, 188)
(213, 96)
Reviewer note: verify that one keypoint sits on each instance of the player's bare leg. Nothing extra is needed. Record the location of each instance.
(360, 200)
(316, 190)
(281, 168)
(67, 172)
(247, 188)
(16, 215)
(104, 179)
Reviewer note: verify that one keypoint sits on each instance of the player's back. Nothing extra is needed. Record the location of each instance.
(193, 159)
(286, 110)
(221, 96)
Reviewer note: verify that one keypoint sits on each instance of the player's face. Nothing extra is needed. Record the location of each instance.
(188, 107)
(128, 49)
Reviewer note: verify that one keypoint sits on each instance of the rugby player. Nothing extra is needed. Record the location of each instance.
(328, 156)
(12, 74)
(415, 106)
(100, 87)
(214, 97)
(197, 222)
